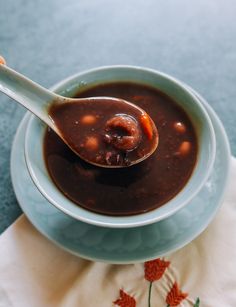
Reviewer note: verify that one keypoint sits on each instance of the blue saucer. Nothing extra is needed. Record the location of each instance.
(122, 245)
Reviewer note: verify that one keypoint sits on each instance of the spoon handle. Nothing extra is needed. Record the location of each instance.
(28, 93)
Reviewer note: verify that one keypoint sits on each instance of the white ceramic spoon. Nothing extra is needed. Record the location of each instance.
(39, 100)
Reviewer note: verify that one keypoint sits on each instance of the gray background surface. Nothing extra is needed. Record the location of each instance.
(47, 41)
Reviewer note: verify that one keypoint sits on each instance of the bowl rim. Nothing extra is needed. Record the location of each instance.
(133, 220)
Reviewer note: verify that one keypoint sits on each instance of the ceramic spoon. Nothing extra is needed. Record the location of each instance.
(41, 102)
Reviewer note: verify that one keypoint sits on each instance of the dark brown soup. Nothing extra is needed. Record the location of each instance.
(138, 188)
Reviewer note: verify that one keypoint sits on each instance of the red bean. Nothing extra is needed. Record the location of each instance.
(88, 119)
(179, 127)
(184, 148)
(91, 143)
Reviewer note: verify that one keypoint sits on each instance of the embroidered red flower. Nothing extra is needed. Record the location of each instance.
(125, 300)
(175, 296)
(154, 269)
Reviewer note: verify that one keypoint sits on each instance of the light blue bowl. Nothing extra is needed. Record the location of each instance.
(170, 86)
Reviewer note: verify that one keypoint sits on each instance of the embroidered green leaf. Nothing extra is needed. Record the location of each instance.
(197, 303)
(149, 294)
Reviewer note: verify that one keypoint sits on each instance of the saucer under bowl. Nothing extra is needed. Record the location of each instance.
(126, 245)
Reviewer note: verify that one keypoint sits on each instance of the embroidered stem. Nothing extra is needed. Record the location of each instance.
(149, 294)
(168, 305)
(197, 303)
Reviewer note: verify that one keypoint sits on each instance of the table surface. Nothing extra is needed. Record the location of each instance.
(47, 41)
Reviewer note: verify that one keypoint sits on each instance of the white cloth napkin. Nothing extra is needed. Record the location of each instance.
(36, 273)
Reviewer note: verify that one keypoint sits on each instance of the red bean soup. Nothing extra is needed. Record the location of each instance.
(138, 188)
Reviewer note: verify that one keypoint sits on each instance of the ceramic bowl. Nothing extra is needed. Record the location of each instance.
(167, 84)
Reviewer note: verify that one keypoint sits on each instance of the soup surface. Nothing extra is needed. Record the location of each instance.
(138, 188)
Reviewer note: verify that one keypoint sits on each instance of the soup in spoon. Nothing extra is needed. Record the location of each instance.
(106, 131)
